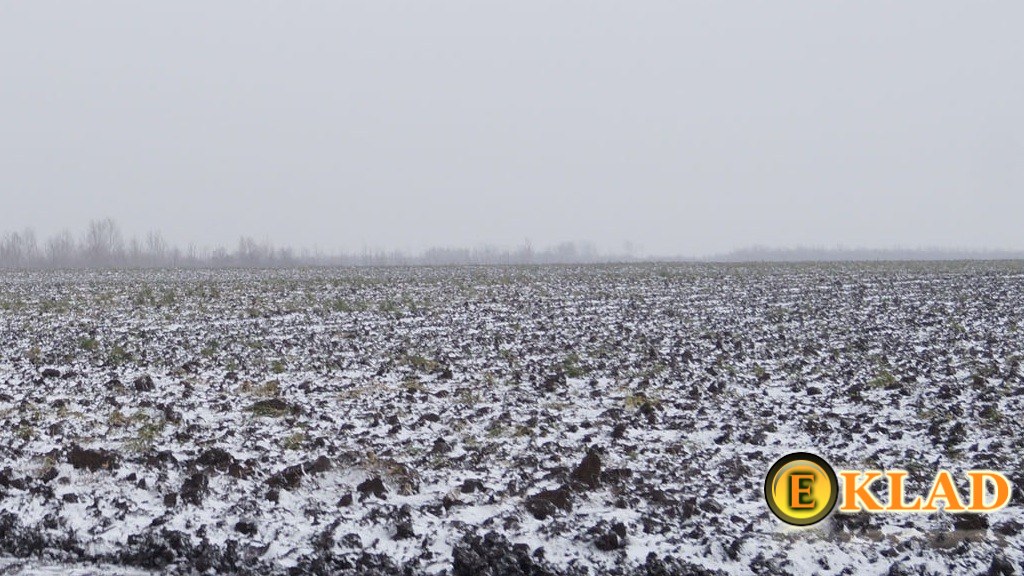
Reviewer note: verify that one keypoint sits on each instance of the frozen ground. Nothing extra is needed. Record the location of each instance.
(499, 420)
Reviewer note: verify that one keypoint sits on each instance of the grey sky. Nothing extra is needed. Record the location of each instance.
(684, 127)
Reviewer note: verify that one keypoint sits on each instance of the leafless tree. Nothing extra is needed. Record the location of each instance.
(103, 243)
(61, 249)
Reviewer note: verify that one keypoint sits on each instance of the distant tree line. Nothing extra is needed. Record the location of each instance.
(805, 254)
(103, 245)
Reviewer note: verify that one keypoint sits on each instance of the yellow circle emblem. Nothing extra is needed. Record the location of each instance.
(801, 489)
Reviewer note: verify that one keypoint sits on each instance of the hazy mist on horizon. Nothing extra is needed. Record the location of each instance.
(685, 128)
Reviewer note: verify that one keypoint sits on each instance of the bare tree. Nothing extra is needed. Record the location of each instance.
(156, 249)
(103, 243)
(11, 250)
(30, 246)
(61, 249)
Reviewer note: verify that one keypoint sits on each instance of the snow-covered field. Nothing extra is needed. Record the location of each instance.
(555, 420)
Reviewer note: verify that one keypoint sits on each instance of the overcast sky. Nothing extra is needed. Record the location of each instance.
(682, 127)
